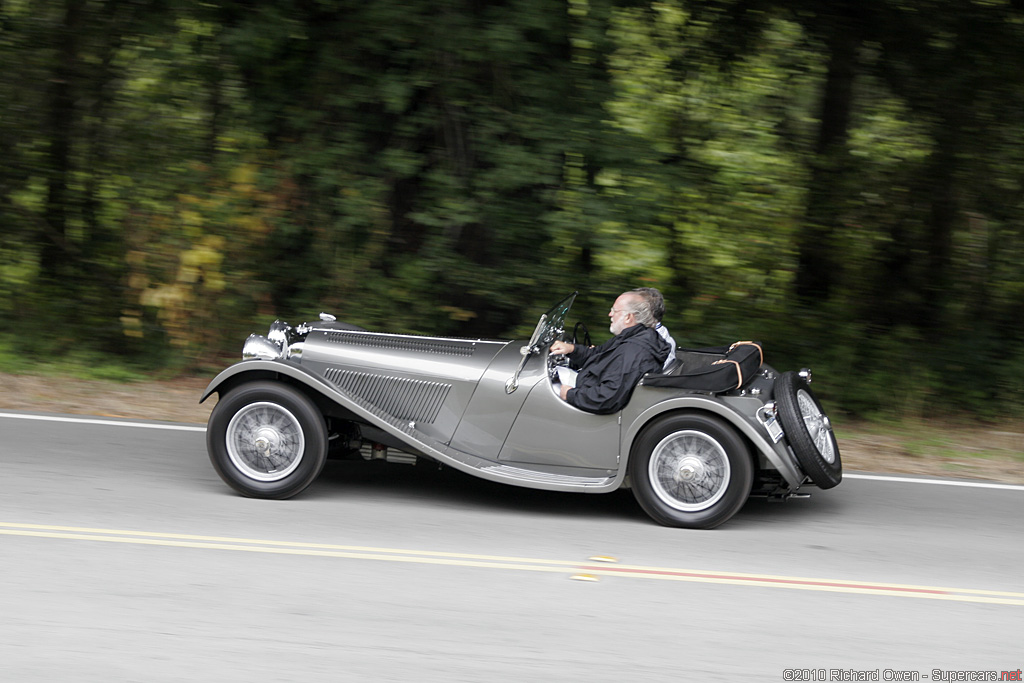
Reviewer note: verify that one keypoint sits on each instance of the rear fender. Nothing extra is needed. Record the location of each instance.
(777, 454)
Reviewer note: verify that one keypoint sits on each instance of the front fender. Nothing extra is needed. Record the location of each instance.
(257, 369)
(261, 368)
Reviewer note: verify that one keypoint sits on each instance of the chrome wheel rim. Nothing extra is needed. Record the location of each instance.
(689, 471)
(265, 441)
(818, 426)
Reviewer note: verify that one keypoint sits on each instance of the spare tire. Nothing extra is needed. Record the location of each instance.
(808, 430)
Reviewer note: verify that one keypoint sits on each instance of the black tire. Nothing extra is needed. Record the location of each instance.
(808, 430)
(690, 470)
(267, 440)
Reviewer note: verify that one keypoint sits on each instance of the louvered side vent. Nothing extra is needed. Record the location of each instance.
(426, 345)
(405, 399)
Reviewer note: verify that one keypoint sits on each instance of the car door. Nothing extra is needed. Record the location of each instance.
(549, 431)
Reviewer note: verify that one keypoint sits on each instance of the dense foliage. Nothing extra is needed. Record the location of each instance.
(841, 180)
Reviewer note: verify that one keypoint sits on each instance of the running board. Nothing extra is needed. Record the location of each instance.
(535, 477)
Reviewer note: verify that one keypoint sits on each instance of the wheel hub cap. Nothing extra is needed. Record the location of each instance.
(265, 441)
(689, 471)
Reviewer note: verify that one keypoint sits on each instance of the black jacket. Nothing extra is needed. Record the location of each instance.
(608, 373)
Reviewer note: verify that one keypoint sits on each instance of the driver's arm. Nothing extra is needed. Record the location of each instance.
(604, 394)
(560, 347)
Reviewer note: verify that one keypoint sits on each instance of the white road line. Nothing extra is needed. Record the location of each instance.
(938, 482)
(190, 428)
(107, 423)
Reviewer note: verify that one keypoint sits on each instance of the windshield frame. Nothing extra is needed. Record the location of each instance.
(551, 324)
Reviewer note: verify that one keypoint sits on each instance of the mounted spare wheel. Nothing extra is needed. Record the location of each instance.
(808, 430)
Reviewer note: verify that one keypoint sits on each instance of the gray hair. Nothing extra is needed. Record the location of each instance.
(654, 299)
(640, 306)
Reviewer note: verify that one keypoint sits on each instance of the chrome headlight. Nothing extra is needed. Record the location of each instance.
(282, 341)
(279, 333)
(258, 346)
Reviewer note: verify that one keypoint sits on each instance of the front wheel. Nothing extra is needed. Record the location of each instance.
(691, 471)
(267, 440)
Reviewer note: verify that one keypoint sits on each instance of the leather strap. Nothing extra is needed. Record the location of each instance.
(749, 343)
(739, 372)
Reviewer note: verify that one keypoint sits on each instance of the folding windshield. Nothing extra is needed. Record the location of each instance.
(552, 323)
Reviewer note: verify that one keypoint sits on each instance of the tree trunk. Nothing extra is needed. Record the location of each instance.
(56, 248)
(817, 264)
(941, 219)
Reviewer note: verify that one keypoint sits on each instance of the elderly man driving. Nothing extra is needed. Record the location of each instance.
(608, 373)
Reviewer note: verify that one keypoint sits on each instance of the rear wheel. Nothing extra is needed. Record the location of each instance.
(808, 430)
(691, 471)
(267, 440)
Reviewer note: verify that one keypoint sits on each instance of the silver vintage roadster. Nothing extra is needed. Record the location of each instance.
(693, 443)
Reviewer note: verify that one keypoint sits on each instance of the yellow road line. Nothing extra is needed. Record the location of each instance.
(284, 551)
(781, 579)
(510, 563)
(290, 544)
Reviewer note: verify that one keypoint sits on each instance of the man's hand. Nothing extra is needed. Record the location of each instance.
(565, 390)
(560, 347)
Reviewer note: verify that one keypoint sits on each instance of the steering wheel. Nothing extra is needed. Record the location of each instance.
(576, 334)
(562, 360)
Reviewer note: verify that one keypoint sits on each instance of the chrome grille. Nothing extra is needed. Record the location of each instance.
(403, 399)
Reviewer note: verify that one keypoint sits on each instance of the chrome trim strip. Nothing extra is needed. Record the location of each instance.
(445, 346)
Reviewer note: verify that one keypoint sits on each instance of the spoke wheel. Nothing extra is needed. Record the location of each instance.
(818, 426)
(808, 430)
(267, 440)
(691, 470)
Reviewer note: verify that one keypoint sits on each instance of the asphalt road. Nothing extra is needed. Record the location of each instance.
(124, 558)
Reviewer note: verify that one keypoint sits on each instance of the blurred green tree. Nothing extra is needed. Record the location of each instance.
(842, 180)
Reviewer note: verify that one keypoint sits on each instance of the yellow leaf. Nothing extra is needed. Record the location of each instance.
(191, 218)
(138, 281)
(458, 314)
